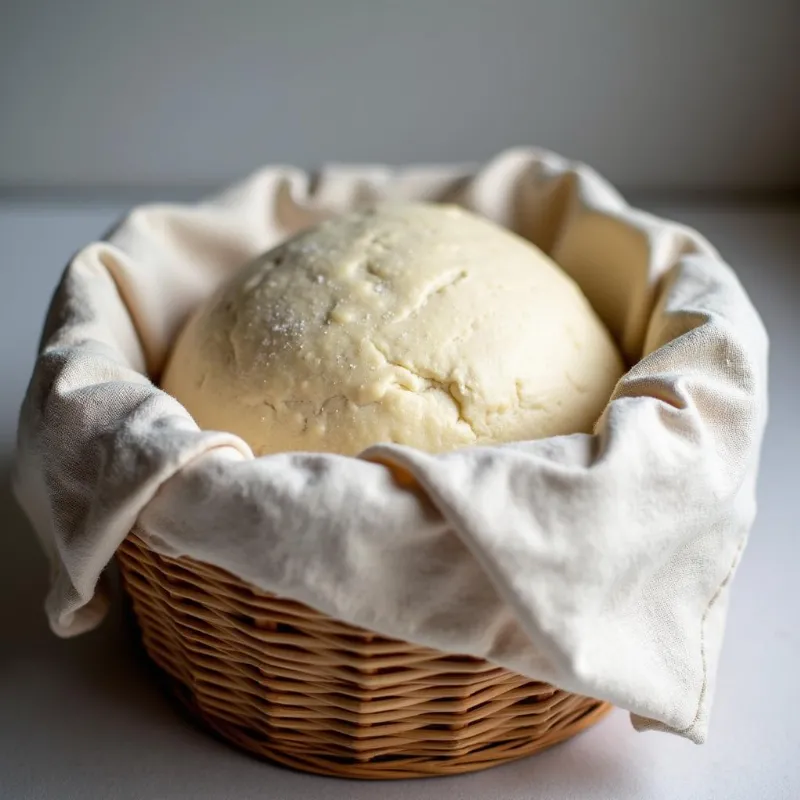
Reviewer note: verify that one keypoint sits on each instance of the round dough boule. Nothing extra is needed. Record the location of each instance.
(419, 324)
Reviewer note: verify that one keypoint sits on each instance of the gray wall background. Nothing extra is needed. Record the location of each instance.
(679, 94)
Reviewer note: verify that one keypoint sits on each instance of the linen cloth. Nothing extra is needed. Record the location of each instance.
(600, 563)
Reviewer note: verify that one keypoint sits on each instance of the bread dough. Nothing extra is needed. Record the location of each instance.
(419, 324)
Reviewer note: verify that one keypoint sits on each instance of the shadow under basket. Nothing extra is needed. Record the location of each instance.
(289, 684)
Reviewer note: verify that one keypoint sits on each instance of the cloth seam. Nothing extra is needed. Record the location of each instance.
(703, 625)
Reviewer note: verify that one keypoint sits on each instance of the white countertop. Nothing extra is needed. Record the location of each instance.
(83, 719)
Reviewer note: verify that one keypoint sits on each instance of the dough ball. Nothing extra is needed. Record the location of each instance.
(419, 324)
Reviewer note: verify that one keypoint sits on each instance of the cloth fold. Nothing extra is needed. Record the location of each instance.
(599, 563)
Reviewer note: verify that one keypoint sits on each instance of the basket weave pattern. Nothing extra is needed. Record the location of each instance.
(287, 683)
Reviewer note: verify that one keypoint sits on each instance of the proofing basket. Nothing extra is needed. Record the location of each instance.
(289, 684)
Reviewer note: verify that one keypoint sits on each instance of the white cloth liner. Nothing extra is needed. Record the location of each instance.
(598, 563)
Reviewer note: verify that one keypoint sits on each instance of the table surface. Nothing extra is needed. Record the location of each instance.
(84, 719)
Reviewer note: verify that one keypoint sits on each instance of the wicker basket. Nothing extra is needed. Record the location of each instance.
(289, 684)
